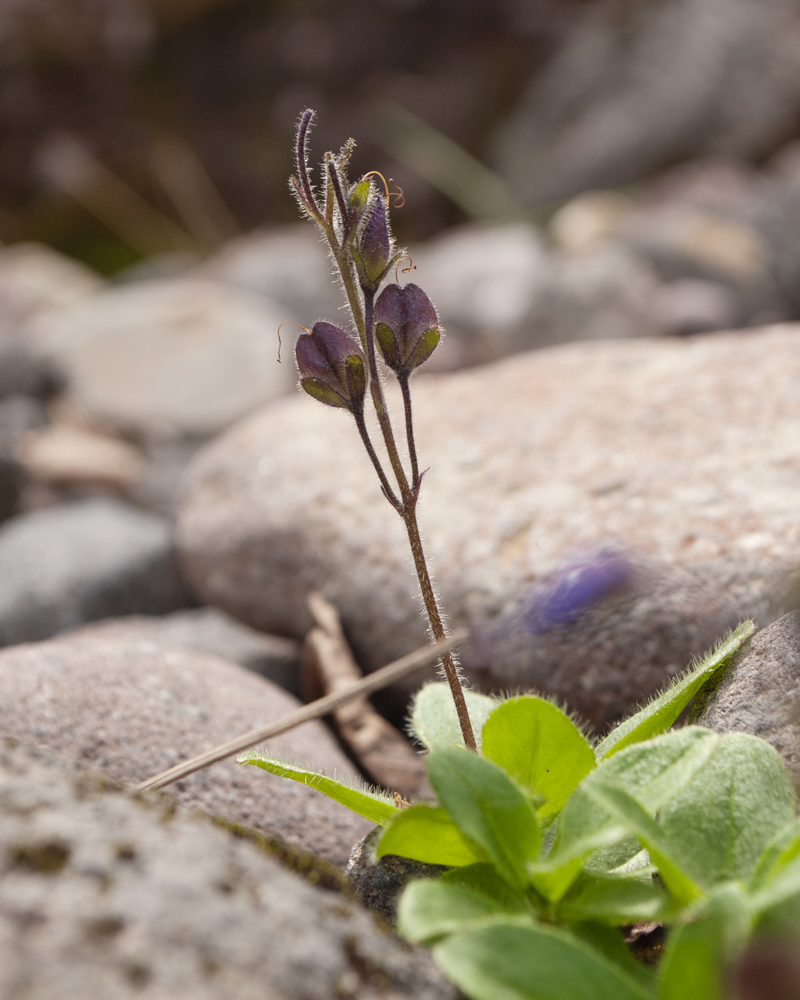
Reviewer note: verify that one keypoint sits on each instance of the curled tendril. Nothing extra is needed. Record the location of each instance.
(411, 267)
(291, 322)
(400, 198)
(398, 194)
(377, 173)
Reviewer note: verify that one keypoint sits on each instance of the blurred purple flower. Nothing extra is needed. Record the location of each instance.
(576, 587)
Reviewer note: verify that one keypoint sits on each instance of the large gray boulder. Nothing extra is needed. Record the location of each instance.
(72, 563)
(760, 692)
(105, 895)
(171, 357)
(636, 87)
(680, 453)
(134, 708)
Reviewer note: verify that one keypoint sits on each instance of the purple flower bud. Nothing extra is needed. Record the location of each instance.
(575, 588)
(374, 254)
(407, 330)
(331, 367)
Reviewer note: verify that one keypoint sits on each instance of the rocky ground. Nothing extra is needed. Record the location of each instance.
(616, 388)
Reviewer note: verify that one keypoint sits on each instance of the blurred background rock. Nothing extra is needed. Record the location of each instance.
(573, 170)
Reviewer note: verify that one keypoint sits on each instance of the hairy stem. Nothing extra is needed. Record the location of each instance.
(388, 492)
(408, 512)
(412, 448)
(409, 515)
(376, 388)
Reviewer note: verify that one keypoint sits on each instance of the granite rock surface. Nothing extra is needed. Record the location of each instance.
(760, 692)
(105, 895)
(682, 454)
(135, 708)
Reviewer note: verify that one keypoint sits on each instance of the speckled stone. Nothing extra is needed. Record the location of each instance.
(105, 895)
(683, 453)
(378, 882)
(212, 631)
(760, 692)
(135, 708)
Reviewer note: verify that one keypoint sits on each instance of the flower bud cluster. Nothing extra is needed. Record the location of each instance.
(354, 219)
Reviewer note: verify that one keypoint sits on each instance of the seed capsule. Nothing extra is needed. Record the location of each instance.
(406, 327)
(331, 367)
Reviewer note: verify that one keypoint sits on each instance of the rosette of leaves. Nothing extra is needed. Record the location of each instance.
(553, 844)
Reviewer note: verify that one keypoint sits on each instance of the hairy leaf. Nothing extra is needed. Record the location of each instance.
(430, 909)
(374, 806)
(433, 716)
(721, 823)
(488, 808)
(426, 833)
(508, 961)
(657, 716)
(542, 749)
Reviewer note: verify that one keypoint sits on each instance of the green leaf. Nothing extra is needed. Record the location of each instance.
(720, 823)
(374, 806)
(426, 833)
(488, 808)
(694, 961)
(783, 888)
(651, 771)
(483, 878)
(625, 809)
(657, 716)
(542, 749)
(508, 961)
(430, 909)
(609, 942)
(779, 852)
(434, 721)
(719, 800)
(615, 901)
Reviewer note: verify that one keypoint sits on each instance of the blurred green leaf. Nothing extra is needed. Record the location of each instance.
(508, 961)
(431, 909)
(696, 954)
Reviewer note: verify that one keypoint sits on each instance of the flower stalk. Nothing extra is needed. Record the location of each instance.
(341, 371)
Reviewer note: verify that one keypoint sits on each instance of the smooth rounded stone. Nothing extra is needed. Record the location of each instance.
(19, 415)
(601, 293)
(589, 220)
(778, 217)
(69, 564)
(64, 456)
(638, 87)
(210, 630)
(35, 278)
(682, 452)
(760, 692)
(106, 895)
(686, 242)
(136, 708)
(181, 357)
(284, 263)
(22, 373)
(691, 306)
(484, 281)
